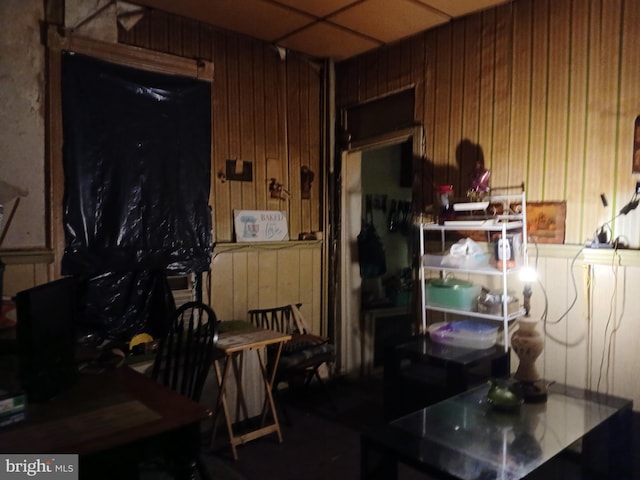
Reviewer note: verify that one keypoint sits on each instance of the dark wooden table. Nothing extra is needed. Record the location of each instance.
(113, 420)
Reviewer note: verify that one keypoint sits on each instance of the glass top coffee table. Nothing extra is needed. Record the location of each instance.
(465, 438)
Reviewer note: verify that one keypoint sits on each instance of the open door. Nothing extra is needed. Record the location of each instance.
(350, 334)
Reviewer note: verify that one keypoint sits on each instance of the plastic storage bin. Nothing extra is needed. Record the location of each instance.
(465, 333)
(452, 293)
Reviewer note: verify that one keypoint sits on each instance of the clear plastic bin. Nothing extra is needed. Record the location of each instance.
(465, 333)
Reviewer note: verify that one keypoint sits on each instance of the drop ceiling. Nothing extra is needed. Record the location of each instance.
(336, 29)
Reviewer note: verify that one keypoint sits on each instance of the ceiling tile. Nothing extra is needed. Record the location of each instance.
(371, 22)
(459, 8)
(319, 8)
(323, 40)
(263, 20)
(389, 20)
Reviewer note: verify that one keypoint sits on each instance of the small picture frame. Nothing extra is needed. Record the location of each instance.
(546, 221)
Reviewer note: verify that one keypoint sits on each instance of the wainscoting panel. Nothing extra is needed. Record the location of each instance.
(591, 323)
(267, 275)
(25, 269)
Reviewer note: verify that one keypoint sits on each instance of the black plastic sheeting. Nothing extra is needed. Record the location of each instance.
(137, 178)
(116, 306)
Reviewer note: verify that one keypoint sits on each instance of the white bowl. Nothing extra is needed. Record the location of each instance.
(470, 206)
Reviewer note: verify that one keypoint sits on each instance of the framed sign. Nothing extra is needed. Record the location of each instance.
(260, 225)
(546, 221)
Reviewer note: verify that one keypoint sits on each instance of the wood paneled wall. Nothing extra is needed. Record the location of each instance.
(266, 110)
(548, 89)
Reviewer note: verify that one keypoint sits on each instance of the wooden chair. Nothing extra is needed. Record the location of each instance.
(185, 355)
(304, 354)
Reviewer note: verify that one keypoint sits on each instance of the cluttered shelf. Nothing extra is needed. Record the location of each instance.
(506, 254)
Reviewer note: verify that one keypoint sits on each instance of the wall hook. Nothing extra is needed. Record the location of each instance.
(277, 190)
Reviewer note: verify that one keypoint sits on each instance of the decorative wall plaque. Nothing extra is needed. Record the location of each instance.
(260, 225)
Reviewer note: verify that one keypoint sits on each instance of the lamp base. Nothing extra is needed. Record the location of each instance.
(534, 392)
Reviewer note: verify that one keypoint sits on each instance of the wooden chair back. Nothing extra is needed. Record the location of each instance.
(280, 319)
(185, 354)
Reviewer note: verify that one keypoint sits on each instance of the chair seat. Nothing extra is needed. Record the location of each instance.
(308, 357)
(303, 355)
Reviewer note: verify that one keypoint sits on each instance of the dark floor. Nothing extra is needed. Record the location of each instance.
(321, 432)
(322, 440)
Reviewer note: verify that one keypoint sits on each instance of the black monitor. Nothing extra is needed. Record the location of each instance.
(45, 330)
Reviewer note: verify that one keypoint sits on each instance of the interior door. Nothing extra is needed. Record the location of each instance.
(350, 351)
(349, 330)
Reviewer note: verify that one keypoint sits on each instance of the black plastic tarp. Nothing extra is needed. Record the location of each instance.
(137, 176)
(116, 306)
(137, 169)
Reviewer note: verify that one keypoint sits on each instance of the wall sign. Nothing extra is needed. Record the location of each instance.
(260, 225)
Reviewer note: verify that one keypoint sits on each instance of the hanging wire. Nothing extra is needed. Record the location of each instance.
(575, 292)
(608, 345)
(589, 323)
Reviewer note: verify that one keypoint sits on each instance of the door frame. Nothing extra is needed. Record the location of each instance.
(348, 328)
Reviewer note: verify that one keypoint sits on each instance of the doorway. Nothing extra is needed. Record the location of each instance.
(378, 172)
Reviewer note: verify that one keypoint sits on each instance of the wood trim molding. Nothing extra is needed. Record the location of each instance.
(232, 247)
(130, 56)
(26, 256)
(587, 256)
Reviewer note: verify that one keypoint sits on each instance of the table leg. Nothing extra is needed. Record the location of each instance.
(271, 375)
(241, 404)
(222, 402)
(187, 452)
(268, 378)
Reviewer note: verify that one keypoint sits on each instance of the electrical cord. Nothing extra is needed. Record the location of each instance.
(575, 291)
(608, 345)
(632, 204)
(604, 348)
(545, 310)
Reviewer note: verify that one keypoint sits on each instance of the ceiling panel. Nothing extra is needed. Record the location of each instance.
(336, 29)
(460, 8)
(319, 8)
(389, 20)
(324, 40)
(266, 21)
